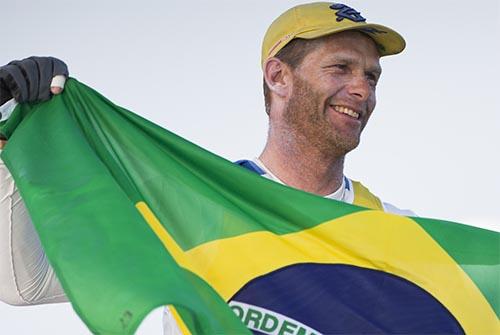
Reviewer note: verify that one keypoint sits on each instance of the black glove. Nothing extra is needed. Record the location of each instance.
(28, 80)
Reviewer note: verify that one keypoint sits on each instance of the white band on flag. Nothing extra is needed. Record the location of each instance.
(269, 322)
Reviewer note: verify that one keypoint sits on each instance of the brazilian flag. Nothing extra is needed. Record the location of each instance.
(133, 217)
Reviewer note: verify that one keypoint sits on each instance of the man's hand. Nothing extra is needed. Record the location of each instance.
(2, 144)
(32, 79)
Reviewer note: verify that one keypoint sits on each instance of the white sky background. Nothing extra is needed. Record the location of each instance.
(432, 144)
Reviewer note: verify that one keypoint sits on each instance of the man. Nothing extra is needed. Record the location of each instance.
(321, 66)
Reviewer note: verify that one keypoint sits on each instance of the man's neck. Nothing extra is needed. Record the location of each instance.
(303, 169)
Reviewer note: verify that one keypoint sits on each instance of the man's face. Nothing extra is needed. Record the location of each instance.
(333, 93)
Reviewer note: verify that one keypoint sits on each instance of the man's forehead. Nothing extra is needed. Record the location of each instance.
(349, 46)
(353, 38)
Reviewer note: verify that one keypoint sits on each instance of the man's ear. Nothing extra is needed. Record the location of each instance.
(278, 77)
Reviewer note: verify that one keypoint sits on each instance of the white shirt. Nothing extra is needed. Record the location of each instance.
(344, 193)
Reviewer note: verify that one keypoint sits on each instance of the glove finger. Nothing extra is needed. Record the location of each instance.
(30, 71)
(59, 67)
(14, 80)
(45, 69)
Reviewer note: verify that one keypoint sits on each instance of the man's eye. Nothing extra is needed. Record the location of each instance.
(340, 66)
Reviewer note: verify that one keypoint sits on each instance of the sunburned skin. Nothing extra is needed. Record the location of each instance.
(319, 111)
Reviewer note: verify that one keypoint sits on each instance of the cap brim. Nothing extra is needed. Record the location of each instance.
(388, 41)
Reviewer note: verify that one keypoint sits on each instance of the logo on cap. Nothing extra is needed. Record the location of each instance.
(346, 12)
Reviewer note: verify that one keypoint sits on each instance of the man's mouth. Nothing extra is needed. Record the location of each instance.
(345, 110)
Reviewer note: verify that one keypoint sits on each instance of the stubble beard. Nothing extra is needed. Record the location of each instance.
(310, 126)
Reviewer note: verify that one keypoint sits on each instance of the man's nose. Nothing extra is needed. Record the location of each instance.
(359, 87)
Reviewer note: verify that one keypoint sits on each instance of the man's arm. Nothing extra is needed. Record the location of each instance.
(26, 278)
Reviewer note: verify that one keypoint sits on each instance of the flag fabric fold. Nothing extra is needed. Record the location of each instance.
(133, 217)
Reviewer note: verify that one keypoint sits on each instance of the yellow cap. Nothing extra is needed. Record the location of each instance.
(318, 19)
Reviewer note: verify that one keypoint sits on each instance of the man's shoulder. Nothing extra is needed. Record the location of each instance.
(250, 165)
(364, 197)
(358, 194)
(389, 208)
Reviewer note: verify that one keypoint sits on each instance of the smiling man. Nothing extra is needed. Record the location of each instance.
(320, 65)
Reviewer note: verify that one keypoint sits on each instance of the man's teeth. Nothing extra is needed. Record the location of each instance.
(345, 110)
